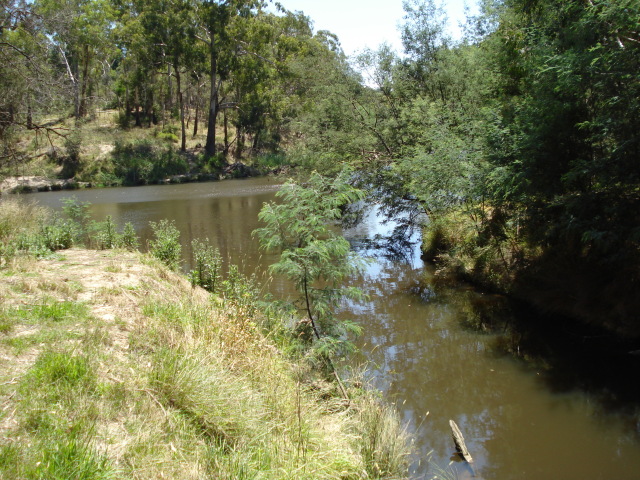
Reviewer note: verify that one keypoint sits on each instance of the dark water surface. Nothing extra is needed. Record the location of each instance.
(521, 420)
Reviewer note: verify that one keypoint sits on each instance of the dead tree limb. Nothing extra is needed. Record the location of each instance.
(458, 439)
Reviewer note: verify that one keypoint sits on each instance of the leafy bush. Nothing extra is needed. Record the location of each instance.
(211, 164)
(78, 214)
(166, 243)
(270, 161)
(133, 161)
(58, 235)
(208, 265)
(129, 237)
(169, 137)
(105, 234)
(71, 162)
(142, 162)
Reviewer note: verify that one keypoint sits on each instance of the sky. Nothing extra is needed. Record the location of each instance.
(366, 23)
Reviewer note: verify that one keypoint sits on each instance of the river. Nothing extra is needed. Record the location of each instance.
(433, 348)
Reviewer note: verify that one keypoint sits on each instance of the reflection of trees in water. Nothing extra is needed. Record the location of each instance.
(572, 357)
(576, 358)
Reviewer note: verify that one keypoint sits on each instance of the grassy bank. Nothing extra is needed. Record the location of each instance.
(114, 366)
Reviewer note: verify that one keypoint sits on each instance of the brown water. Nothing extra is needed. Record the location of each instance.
(563, 416)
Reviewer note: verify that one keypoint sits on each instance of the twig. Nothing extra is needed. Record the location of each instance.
(154, 399)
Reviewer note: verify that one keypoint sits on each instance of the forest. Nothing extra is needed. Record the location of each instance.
(515, 149)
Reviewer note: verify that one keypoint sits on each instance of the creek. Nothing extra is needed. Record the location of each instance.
(530, 407)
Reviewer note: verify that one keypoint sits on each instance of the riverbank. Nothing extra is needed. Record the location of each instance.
(114, 366)
(565, 283)
(99, 152)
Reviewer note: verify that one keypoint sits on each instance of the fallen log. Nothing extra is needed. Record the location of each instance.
(458, 439)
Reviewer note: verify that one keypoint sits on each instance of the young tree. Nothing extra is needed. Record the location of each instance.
(313, 256)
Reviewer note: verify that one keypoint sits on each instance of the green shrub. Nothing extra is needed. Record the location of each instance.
(142, 162)
(169, 137)
(71, 162)
(208, 265)
(78, 214)
(165, 245)
(133, 161)
(58, 235)
(105, 234)
(270, 161)
(211, 164)
(123, 120)
(129, 237)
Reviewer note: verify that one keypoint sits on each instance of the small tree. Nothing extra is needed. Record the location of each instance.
(313, 255)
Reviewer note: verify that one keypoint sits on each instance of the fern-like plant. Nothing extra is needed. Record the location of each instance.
(317, 259)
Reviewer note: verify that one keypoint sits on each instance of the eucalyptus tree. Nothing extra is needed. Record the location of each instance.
(30, 86)
(213, 21)
(170, 26)
(79, 31)
(136, 74)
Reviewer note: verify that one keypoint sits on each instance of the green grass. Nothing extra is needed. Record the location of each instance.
(47, 310)
(56, 434)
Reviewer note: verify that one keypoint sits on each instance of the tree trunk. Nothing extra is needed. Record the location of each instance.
(210, 147)
(29, 116)
(183, 144)
(240, 140)
(226, 133)
(137, 105)
(256, 139)
(82, 110)
(195, 119)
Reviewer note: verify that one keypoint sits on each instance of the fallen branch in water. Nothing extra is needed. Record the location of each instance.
(458, 439)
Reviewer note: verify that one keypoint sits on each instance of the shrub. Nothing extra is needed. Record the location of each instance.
(169, 137)
(129, 237)
(105, 234)
(270, 161)
(71, 162)
(78, 214)
(208, 265)
(142, 162)
(211, 164)
(133, 161)
(166, 243)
